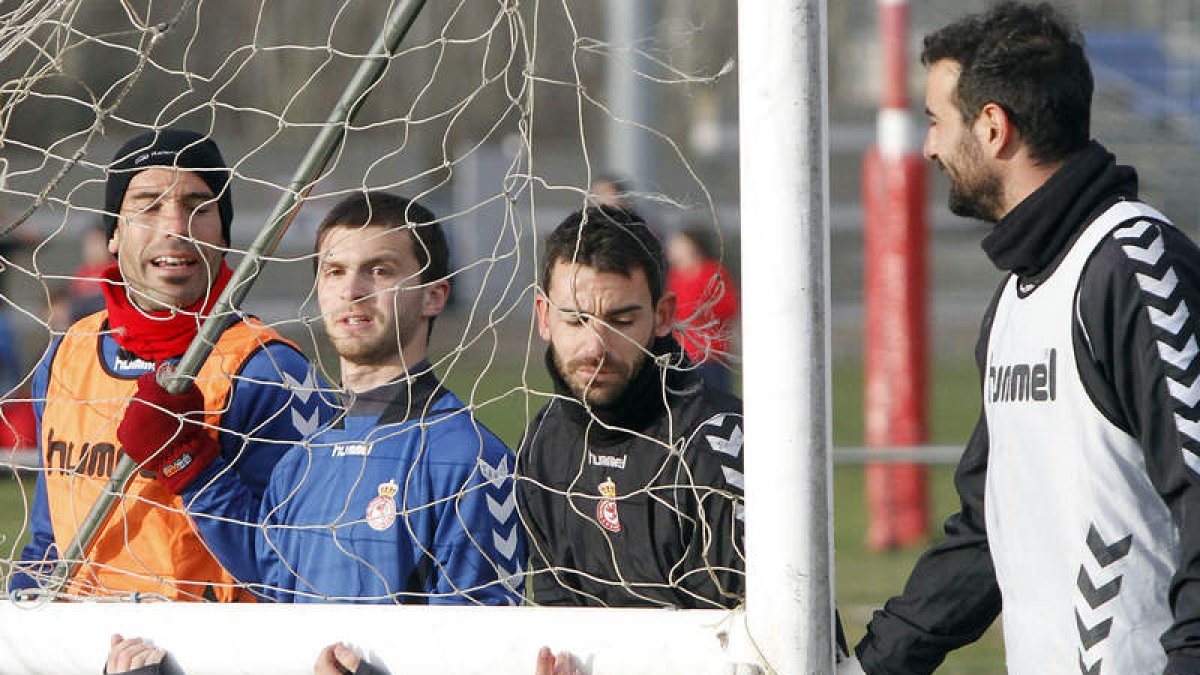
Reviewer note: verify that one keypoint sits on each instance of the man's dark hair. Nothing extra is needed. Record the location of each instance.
(1029, 60)
(609, 240)
(382, 209)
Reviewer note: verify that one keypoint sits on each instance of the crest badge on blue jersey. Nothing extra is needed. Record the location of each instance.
(381, 511)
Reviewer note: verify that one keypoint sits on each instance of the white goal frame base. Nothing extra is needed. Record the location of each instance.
(73, 637)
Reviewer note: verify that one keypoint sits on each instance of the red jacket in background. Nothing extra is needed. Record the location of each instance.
(707, 304)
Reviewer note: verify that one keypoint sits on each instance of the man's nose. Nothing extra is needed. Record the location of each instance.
(595, 340)
(357, 287)
(174, 219)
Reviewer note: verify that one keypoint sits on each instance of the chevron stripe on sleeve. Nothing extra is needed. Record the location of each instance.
(1142, 243)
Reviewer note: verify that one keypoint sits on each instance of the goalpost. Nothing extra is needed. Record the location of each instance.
(477, 81)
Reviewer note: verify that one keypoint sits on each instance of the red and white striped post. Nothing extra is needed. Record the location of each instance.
(895, 245)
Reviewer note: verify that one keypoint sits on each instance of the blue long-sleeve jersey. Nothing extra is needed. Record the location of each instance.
(405, 498)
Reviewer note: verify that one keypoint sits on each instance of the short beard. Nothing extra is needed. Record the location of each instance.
(591, 395)
(979, 200)
(975, 191)
(382, 351)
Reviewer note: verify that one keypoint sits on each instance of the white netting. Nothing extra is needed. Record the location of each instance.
(493, 114)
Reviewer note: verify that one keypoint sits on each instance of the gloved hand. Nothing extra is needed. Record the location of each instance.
(156, 435)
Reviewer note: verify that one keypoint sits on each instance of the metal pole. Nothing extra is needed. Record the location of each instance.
(629, 96)
(785, 248)
(398, 21)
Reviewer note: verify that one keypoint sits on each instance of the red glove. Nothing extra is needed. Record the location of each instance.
(156, 435)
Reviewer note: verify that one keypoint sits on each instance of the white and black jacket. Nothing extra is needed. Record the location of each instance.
(1133, 345)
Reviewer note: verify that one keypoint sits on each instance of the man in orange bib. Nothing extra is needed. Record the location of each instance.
(168, 211)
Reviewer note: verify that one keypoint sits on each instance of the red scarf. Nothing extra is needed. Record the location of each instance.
(156, 335)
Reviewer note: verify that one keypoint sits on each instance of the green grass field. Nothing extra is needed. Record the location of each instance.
(864, 579)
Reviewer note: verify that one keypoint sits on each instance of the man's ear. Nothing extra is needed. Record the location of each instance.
(434, 298)
(664, 314)
(541, 307)
(115, 239)
(994, 130)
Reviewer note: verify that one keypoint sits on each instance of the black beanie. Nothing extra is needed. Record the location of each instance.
(168, 148)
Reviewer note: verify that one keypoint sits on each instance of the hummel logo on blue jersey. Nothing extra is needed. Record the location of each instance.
(1023, 381)
(355, 449)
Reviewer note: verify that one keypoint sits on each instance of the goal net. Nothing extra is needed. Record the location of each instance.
(500, 117)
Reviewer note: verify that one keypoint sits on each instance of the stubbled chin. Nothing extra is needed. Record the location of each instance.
(176, 276)
(158, 302)
(343, 337)
(593, 393)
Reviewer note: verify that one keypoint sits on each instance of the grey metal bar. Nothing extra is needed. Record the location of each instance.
(921, 454)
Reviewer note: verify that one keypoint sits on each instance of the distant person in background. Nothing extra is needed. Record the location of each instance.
(610, 190)
(59, 307)
(87, 294)
(12, 366)
(18, 428)
(707, 306)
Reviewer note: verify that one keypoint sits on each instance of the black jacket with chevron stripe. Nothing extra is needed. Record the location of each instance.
(638, 504)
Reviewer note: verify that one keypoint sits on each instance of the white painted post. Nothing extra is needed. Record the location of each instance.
(785, 293)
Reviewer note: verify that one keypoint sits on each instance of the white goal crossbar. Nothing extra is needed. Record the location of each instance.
(285, 639)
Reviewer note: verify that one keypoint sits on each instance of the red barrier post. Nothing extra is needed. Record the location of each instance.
(895, 245)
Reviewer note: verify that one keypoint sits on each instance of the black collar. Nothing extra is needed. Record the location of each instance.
(1032, 238)
(408, 397)
(665, 374)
